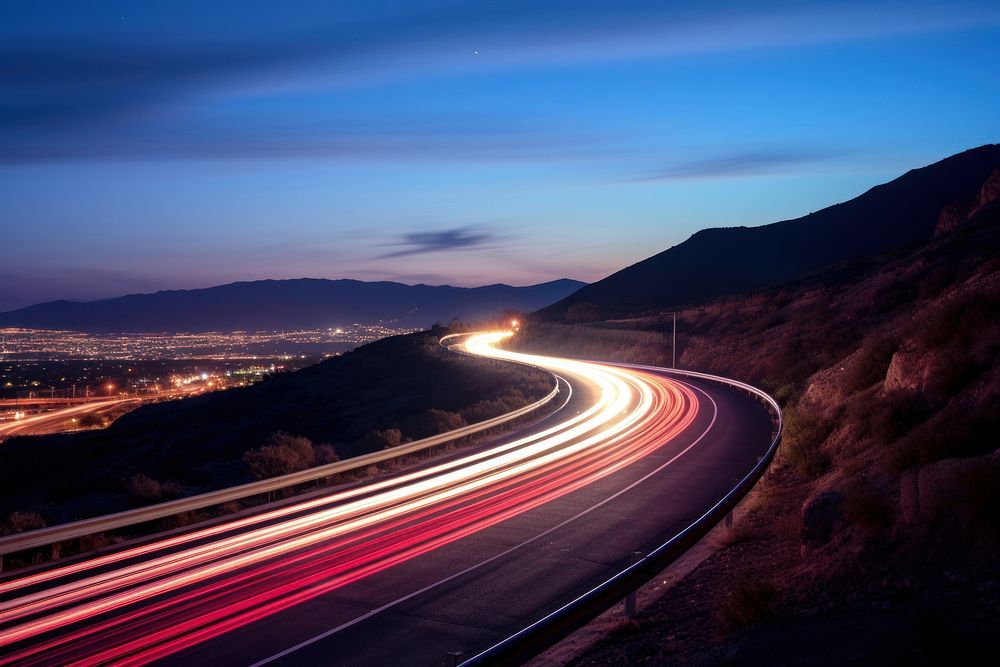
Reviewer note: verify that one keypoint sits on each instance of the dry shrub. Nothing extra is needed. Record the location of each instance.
(960, 320)
(376, 441)
(802, 442)
(96, 541)
(728, 536)
(232, 507)
(282, 455)
(761, 498)
(783, 392)
(433, 422)
(788, 527)
(144, 488)
(870, 364)
(751, 601)
(326, 454)
(594, 342)
(483, 410)
(887, 418)
(93, 420)
(19, 522)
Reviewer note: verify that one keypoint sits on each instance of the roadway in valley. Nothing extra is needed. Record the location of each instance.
(57, 420)
(450, 556)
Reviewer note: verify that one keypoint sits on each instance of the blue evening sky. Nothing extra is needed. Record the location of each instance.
(167, 144)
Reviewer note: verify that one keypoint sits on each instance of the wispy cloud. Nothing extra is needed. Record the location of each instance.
(418, 243)
(741, 164)
(87, 94)
(435, 137)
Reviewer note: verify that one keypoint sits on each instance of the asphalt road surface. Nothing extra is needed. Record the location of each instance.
(55, 420)
(451, 556)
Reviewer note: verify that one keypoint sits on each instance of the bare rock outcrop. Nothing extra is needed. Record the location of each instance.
(954, 215)
(947, 490)
(951, 217)
(911, 371)
(990, 193)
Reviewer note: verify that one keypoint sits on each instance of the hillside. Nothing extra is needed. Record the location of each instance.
(271, 305)
(345, 406)
(874, 541)
(737, 260)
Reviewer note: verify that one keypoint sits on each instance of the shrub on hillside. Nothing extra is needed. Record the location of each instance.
(964, 319)
(144, 488)
(282, 454)
(887, 418)
(593, 342)
(325, 454)
(870, 364)
(19, 522)
(783, 392)
(751, 601)
(375, 441)
(432, 422)
(802, 442)
(483, 410)
(93, 420)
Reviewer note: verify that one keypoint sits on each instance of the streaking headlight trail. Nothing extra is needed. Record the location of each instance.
(149, 601)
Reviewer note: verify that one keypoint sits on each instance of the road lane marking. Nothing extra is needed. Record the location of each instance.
(509, 550)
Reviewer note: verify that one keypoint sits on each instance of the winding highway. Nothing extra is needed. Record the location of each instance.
(450, 556)
(56, 420)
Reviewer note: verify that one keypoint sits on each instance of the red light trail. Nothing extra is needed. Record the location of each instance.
(147, 602)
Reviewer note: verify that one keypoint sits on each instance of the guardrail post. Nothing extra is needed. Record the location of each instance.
(630, 598)
(451, 658)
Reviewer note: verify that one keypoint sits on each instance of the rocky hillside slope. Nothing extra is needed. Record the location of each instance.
(875, 540)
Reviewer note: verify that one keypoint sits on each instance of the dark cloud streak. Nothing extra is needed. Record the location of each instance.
(459, 238)
(82, 83)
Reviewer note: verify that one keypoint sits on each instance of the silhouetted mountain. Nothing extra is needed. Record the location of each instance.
(266, 305)
(734, 260)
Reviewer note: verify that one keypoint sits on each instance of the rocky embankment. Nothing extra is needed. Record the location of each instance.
(875, 539)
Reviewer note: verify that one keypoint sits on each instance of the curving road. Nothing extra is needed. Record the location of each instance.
(55, 420)
(451, 556)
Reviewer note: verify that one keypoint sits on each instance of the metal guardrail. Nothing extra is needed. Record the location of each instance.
(562, 622)
(69, 531)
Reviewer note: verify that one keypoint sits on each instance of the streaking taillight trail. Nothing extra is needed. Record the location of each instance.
(147, 602)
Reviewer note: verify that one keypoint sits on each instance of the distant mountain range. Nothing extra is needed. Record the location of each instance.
(735, 260)
(272, 305)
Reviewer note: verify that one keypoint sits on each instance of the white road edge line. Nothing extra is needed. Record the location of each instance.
(389, 605)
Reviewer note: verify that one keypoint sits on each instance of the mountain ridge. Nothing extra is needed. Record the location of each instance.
(725, 261)
(275, 304)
